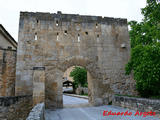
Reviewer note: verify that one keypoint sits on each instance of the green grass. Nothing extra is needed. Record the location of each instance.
(84, 94)
(155, 97)
(127, 95)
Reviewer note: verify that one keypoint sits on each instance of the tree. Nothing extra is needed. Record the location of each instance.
(79, 75)
(145, 50)
(147, 31)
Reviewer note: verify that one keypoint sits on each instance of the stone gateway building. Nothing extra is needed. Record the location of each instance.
(48, 44)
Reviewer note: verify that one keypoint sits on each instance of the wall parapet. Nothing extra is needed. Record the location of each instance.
(74, 17)
(37, 113)
(140, 104)
(7, 101)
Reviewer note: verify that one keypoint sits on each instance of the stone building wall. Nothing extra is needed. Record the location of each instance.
(7, 72)
(6, 40)
(59, 41)
(66, 75)
(15, 108)
(4, 43)
(81, 90)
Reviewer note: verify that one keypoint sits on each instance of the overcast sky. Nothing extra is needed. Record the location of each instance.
(10, 9)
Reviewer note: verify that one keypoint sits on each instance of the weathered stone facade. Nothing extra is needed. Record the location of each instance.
(8, 53)
(66, 75)
(15, 108)
(38, 85)
(59, 41)
(7, 72)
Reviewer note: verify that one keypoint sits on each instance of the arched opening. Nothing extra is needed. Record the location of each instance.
(54, 81)
(75, 87)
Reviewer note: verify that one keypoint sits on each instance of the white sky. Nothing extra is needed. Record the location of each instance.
(10, 9)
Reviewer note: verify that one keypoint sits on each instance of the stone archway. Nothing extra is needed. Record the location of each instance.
(54, 75)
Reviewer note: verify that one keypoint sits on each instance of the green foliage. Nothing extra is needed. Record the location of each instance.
(79, 75)
(145, 52)
(147, 31)
(145, 63)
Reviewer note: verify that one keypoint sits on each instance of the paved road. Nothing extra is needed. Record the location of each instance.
(67, 100)
(89, 113)
(69, 89)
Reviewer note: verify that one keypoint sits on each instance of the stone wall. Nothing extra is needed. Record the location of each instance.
(7, 72)
(37, 113)
(15, 108)
(140, 104)
(59, 41)
(81, 90)
(6, 40)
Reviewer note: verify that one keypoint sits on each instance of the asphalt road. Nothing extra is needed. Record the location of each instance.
(89, 113)
(67, 100)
